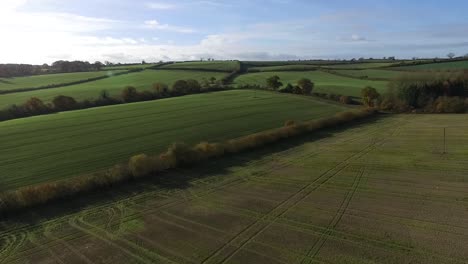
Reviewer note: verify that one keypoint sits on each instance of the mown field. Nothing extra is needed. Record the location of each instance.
(324, 82)
(141, 80)
(53, 147)
(283, 68)
(227, 66)
(128, 67)
(48, 79)
(379, 192)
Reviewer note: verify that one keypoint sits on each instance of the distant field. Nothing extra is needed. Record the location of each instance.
(57, 146)
(325, 82)
(365, 65)
(380, 192)
(141, 80)
(371, 73)
(227, 66)
(283, 68)
(124, 67)
(48, 79)
(456, 65)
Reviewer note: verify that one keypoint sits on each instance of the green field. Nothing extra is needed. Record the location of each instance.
(128, 67)
(371, 73)
(48, 79)
(455, 65)
(227, 66)
(324, 82)
(141, 80)
(283, 68)
(365, 65)
(380, 192)
(53, 147)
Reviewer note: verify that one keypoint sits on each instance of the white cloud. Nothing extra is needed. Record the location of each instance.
(160, 6)
(154, 24)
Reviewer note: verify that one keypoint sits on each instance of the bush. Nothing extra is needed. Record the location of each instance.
(130, 94)
(369, 96)
(345, 99)
(306, 86)
(161, 89)
(64, 103)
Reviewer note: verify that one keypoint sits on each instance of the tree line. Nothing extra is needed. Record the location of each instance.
(35, 106)
(61, 66)
(433, 92)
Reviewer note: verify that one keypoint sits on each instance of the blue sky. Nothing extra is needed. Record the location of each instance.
(42, 31)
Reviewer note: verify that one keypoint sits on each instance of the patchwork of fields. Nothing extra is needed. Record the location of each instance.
(53, 147)
(324, 82)
(366, 194)
(114, 86)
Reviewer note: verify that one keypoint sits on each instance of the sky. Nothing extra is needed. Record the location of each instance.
(43, 31)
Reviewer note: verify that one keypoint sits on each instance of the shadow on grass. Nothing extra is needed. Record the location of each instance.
(176, 179)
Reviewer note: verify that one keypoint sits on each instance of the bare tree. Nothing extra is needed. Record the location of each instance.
(451, 55)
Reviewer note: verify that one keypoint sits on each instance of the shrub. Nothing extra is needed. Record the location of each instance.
(288, 89)
(161, 88)
(345, 99)
(306, 86)
(130, 94)
(36, 106)
(193, 86)
(63, 103)
(369, 96)
(180, 87)
(273, 82)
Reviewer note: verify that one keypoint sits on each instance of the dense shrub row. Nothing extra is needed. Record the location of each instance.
(34, 106)
(177, 155)
(434, 92)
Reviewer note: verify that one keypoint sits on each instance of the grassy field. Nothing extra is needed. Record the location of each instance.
(125, 67)
(283, 68)
(48, 79)
(227, 66)
(365, 65)
(455, 65)
(324, 82)
(53, 147)
(141, 80)
(370, 73)
(380, 192)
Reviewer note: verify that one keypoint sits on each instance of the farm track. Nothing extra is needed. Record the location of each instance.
(346, 178)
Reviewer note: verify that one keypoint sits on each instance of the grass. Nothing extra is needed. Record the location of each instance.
(365, 65)
(128, 67)
(379, 192)
(370, 73)
(324, 82)
(53, 147)
(47, 79)
(141, 80)
(454, 65)
(227, 66)
(298, 67)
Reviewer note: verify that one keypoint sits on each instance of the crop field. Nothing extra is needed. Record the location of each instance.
(371, 73)
(365, 194)
(454, 65)
(324, 82)
(53, 147)
(227, 66)
(141, 80)
(48, 79)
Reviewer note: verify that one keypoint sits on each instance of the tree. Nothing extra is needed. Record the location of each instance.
(98, 65)
(274, 82)
(451, 55)
(180, 87)
(35, 106)
(160, 88)
(130, 94)
(369, 95)
(288, 89)
(63, 102)
(104, 94)
(306, 85)
(193, 86)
